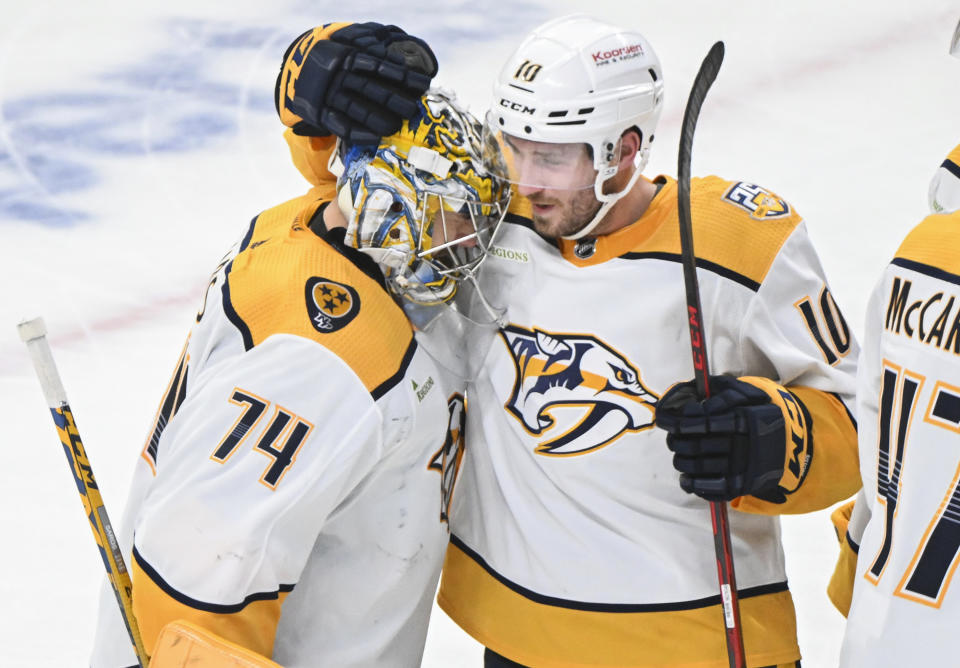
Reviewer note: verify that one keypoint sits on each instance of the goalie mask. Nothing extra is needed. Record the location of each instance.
(568, 93)
(421, 204)
(944, 191)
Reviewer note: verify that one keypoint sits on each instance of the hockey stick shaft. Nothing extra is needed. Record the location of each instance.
(698, 347)
(955, 42)
(34, 334)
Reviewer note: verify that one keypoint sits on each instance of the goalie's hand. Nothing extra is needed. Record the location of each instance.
(751, 436)
(358, 81)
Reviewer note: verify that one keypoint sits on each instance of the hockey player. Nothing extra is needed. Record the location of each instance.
(572, 543)
(291, 499)
(901, 547)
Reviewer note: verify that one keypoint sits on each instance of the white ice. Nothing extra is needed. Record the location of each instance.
(138, 139)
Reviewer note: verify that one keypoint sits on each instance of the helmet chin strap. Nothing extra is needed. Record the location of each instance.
(608, 199)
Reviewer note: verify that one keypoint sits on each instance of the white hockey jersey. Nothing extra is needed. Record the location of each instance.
(289, 495)
(904, 611)
(572, 543)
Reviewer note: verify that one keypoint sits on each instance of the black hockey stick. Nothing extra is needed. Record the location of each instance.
(955, 42)
(698, 346)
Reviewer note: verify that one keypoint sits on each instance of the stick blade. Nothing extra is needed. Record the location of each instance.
(712, 62)
(706, 75)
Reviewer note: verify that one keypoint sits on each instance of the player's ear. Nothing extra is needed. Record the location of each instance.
(629, 146)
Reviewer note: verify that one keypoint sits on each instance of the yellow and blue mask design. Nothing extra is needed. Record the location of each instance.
(421, 203)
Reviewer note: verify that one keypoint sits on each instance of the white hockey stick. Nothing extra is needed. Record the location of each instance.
(34, 334)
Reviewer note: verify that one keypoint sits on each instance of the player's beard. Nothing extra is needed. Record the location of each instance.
(568, 217)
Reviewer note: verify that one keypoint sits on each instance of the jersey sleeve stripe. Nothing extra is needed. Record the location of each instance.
(852, 543)
(707, 265)
(249, 235)
(926, 269)
(951, 167)
(392, 381)
(853, 420)
(228, 308)
(218, 608)
(231, 312)
(251, 624)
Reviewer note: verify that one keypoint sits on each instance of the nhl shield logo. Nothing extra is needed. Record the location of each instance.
(574, 392)
(330, 305)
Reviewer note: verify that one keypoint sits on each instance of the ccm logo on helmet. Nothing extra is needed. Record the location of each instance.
(516, 106)
(621, 53)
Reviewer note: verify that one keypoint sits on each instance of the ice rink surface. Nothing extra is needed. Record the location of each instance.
(138, 139)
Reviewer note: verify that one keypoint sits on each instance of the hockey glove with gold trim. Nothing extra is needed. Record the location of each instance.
(358, 81)
(751, 436)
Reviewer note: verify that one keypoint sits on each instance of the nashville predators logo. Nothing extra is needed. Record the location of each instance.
(330, 305)
(758, 202)
(574, 391)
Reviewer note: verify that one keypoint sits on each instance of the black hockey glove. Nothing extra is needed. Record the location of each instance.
(358, 81)
(750, 437)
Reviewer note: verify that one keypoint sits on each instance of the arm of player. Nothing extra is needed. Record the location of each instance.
(749, 440)
(849, 521)
(311, 157)
(773, 446)
(832, 473)
(796, 329)
(257, 457)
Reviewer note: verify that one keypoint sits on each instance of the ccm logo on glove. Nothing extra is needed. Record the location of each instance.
(358, 81)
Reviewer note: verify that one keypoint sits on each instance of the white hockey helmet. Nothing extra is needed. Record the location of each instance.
(944, 194)
(576, 80)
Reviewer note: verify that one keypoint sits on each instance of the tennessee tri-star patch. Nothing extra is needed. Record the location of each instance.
(331, 305)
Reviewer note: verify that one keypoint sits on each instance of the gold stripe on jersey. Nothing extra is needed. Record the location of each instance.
(539, 634)
(719, 230)
(935, 242)
(840, 587)
(834, 472)
(954, 155)
(155, 605)
(266, 294)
